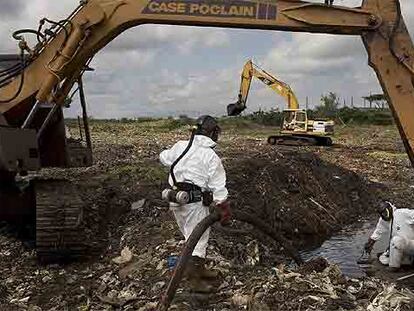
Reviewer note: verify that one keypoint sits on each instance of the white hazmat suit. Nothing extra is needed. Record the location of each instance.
(401, 235)
(200, 166)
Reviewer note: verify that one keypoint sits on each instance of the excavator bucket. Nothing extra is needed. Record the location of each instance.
(235, 109)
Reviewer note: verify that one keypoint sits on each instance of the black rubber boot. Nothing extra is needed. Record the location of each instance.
(199, 268)
(201, 279)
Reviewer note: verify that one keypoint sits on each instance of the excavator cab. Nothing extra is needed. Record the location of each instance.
(295, 120)
(298, 130)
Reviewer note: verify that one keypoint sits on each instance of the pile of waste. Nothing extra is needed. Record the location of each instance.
(300, 195)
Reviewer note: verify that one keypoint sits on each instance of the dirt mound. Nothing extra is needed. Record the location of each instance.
(299, 194)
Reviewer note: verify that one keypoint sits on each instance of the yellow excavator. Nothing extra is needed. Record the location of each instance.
(34, 91)
(296, 127)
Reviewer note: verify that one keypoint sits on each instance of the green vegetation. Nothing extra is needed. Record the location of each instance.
(344, 115)
(147, 170)
(329, 106)
(388, 156)
(368, 116)
(328, 109)
(341, 116)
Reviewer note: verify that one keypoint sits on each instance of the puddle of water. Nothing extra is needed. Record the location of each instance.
(345, 248)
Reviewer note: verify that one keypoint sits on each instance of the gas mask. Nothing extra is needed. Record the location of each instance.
(208, 126)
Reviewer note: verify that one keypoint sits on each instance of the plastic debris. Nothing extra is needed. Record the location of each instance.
(138, 205)
(392, 299)
(126, 256)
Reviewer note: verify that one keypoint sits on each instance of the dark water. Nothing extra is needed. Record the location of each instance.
(345, 248)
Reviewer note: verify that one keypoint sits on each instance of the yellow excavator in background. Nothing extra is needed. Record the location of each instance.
(296, 127)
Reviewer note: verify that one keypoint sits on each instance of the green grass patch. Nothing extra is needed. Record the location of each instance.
(147, 171)
(384, 155)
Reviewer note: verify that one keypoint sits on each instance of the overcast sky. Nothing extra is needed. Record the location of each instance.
(155, 70)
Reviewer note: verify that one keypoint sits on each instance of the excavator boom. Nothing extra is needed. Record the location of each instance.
(251, 70)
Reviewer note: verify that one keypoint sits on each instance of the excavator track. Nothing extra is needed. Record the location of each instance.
(60, 230)
(299, 140)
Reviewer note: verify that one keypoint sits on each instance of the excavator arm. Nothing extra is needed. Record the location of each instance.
(59, 60)
(251, 70)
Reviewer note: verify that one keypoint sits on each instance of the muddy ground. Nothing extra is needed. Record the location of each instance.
(306, 193)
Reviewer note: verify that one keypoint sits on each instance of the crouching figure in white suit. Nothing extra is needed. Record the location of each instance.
(397, 225)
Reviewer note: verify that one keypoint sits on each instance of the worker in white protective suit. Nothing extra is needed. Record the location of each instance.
(196, 170)
(397, 225)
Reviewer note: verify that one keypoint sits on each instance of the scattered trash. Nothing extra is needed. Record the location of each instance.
(252, 250)
(126, 256)
(240, 300)
(365, 258)
(138, 205)
(158, 286)
(392, 299)
(405, 277)
(46, 279)
(172, 262)
(150, 306)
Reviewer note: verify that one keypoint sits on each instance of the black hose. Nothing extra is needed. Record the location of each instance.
(7, 80)
(11, 68)
(11, 71)
(19, 90)
(60, 25)
(68, 20)
(262, 226)
(188, 249)
(39, 31)
(17, 34)
(17, 69)
(190, 143)
(195, 236)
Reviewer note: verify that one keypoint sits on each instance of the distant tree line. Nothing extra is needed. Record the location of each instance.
(329, 108)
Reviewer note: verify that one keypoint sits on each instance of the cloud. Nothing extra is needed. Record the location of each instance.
(11, 8)
(167, 93)
(183, 39)
(408, 13)
(316, 55)
(315, 63)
